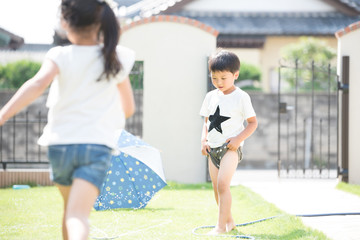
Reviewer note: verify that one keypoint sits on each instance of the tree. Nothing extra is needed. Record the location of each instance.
(14, 74)
(305, 52)
(249, 77)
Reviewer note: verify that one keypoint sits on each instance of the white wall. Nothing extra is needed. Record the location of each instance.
(7, 56)
(348, 45)
(175, 73)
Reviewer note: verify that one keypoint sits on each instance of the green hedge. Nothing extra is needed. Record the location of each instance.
(250, 72)
(13, 75)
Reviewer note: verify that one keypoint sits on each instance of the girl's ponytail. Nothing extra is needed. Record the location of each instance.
(110, 30)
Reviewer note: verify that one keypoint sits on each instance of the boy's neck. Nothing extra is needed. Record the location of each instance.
(228, 91)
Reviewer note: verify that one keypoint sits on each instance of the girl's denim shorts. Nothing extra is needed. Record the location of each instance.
(89, 162)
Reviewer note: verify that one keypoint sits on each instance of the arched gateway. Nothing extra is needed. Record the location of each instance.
(174, 51)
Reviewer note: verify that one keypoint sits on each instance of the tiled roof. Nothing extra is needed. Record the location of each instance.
(36, 47)
(9, 40)
(350, 28)
(146, 8)
(235, 41)
(273, 23)
(352, 3)
(126, 3)
(167, 18)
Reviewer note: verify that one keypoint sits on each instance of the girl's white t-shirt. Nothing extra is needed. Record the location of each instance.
(226, 114)
(83, 110)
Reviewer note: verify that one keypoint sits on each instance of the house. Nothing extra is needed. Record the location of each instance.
(257, 30)
(9, 40)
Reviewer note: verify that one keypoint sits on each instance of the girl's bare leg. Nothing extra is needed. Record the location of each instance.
(80, 200)
(64, 190)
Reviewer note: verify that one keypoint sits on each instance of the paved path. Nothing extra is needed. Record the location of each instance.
(307, 196)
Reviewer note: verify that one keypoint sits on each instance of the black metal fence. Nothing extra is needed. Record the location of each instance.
(135, 123)
(307, 138)
(18, 137)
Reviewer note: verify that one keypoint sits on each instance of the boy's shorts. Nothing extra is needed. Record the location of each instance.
(216, 154)
(89, 162)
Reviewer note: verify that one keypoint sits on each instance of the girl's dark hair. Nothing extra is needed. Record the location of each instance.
(224, 60)
(80, 14)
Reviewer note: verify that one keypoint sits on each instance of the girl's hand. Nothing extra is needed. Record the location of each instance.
(233, 143)
(2, 120)
(204, 148)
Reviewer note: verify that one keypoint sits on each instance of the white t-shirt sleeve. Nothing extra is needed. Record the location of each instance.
(54, 55)
(127, 60)
(248, 109)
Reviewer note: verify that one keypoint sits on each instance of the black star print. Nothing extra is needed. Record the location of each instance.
(216, 120)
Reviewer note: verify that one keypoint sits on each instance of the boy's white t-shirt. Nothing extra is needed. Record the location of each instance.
(83, 110)
(226, 114)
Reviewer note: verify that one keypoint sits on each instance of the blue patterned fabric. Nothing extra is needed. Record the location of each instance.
(126, 139)
(129, 182)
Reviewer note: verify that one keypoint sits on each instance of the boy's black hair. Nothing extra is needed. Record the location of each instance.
(80, 14)
(224, 60)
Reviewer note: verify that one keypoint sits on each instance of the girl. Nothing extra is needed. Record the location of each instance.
(89, 99)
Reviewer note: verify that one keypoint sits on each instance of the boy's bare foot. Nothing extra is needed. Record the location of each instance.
(216, 231)
(230, 226)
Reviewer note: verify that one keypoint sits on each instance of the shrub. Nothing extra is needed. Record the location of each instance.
(249, 77)
(13, 75)
(306, 51)
(249, 72)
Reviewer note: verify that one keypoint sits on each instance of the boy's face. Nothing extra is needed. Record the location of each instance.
(224, 81)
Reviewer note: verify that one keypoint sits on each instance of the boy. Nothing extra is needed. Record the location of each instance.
(225, 109)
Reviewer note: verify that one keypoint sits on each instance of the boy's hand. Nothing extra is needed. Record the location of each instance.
(205, 148)
(233, 143)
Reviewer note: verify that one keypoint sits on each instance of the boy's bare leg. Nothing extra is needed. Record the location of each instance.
(213, 171)
(227, 169)
(80, 202)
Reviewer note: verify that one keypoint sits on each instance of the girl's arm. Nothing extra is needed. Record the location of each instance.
(235, 142)
(127, 97)
(29, 91)
(204, 146)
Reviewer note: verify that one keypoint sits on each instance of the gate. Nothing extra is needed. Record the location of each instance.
(307, 121)
(134, 124)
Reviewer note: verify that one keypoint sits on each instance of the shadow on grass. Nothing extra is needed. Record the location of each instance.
(147, 209)
(180, 186)
(295, 234)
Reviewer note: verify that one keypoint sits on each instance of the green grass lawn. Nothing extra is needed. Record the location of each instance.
(351, 188)
(171, 215)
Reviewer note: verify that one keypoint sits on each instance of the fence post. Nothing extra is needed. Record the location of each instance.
(320, 168)
(279, 106)
(26, 136)
(312, 114)
(296, 108)
(14, 143)
(39, 147)
(1, 148)
(329, 91)
(344, 128)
